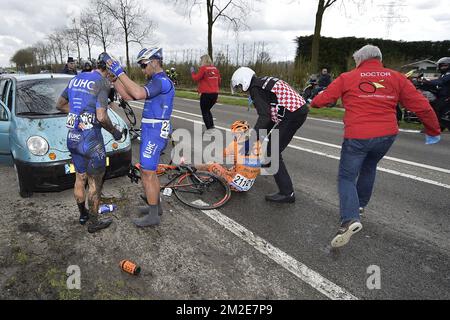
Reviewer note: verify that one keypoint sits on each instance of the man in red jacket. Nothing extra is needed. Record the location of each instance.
(208, 78)
(369, 94)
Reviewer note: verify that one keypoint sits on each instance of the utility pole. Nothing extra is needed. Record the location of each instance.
(392, 17)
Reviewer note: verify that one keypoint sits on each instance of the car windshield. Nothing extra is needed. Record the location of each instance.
(38, 97)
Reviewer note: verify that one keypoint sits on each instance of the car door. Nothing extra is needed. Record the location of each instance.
(5, 121)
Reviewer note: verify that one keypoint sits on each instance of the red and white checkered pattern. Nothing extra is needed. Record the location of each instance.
(287, 97)
(274, 114)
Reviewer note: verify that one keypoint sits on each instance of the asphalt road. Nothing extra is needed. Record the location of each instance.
(248, 249)
(406, 226)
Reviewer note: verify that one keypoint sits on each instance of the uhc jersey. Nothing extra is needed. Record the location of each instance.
(85, 93)
(160, 94)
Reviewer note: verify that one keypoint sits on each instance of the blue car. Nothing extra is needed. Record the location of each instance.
(33, 134)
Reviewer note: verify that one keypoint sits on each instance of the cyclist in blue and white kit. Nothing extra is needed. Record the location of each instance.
(85, 100)
(158, 93)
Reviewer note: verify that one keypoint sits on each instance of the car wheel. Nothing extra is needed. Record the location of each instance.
(23, 191)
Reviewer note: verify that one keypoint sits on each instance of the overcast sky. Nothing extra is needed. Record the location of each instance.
(277, 23)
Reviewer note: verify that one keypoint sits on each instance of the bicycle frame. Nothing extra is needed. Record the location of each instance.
(135, 177)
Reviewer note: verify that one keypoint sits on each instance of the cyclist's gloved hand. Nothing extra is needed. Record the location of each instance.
(432, 140)
(113, 65)
(117, 134)
(116, 68)
(192, 69)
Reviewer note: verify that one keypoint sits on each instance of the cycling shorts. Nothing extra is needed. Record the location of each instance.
(154, 137)
(87, 149)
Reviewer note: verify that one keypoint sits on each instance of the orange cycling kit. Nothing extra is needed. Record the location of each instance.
(246, 168)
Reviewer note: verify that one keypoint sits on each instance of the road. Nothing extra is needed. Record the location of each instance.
(248, 249)
(406, 226)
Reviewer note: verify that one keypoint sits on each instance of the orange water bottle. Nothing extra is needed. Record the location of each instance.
(130, 267)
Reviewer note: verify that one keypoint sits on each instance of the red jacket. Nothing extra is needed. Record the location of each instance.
(370, 94)
(208, 78)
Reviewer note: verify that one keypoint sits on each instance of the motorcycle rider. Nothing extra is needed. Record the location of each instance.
(173, 75)
(323, 82)
(442, 87)
(276, 104)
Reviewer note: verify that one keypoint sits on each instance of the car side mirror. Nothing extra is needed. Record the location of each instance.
(5, 114)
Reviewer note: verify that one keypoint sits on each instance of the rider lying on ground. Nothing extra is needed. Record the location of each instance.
(246, 162)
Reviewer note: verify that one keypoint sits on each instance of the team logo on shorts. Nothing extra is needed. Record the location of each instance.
(150, 150)
(74, 136)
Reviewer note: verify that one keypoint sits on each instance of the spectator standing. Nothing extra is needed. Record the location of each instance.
(208, 78)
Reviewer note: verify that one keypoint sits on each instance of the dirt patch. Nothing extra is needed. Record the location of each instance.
(187, 257)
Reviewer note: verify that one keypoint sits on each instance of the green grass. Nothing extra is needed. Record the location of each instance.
(237, 101)
(324, 113)
(57, 280)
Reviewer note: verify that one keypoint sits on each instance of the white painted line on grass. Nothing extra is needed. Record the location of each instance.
(298, 269)
(324, 154)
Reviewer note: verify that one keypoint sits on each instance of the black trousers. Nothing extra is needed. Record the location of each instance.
(207, 101)
(287, 129)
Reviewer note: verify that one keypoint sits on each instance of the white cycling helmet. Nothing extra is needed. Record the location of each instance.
(242, 77)
(152, 53)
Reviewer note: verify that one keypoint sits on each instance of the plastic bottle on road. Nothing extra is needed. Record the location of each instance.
(106, 208)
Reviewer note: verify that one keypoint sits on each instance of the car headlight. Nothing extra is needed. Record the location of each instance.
(37, 145)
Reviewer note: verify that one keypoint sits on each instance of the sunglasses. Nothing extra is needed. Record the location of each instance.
(143, 65)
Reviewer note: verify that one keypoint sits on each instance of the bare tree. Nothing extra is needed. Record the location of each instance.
(53, 48)
(321, 7)
(75, 35)
(136, 26)
(103, 26)
(57, 42)
(39, 52)
(87, 27)
(232, 11)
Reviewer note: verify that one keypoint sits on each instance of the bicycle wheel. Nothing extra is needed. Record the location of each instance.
(129, 113)
(202, 190)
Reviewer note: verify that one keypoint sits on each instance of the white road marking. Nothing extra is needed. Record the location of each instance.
(411, 163)
(301, 271)
(179, 111)
(323, 120)
(324, 154)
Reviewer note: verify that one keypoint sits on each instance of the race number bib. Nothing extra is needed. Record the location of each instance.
(165, 129)
(70, 122)
(87, 119)
(242, 183)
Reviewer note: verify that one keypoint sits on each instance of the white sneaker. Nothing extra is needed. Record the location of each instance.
(345, 232)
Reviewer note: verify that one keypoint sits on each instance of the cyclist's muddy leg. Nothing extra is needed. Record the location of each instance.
(95, 191)
(79, 189)
(151, 186)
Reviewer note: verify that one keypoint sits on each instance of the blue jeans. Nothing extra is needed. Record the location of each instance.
(357, 170)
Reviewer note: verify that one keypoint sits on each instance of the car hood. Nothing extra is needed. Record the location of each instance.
(54, 130)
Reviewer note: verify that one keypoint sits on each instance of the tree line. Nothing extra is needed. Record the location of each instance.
(336, 53)
(97, 24)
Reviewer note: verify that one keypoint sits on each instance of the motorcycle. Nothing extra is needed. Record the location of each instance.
(409, 116)
(307, 92)
(440, 107)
